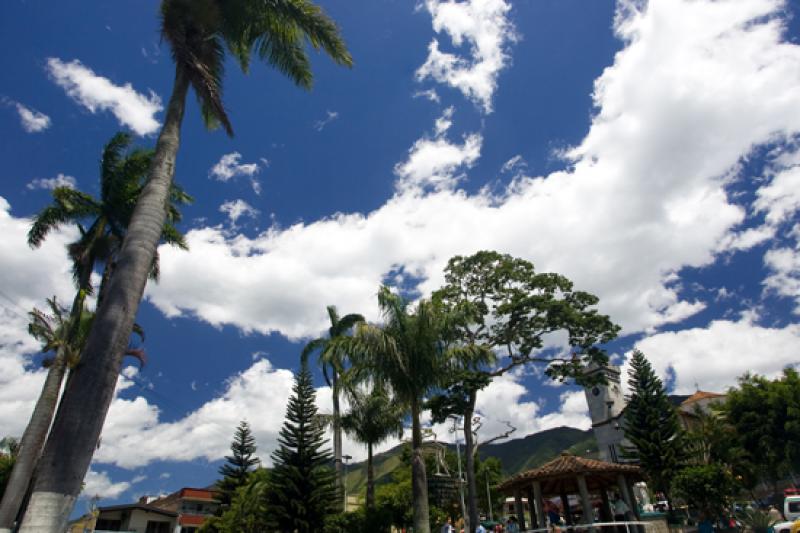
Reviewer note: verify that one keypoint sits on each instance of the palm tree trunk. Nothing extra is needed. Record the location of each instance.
(370, 479)
(469, 446)
(337, 441)
(79, 421)
(419, 480)
(35, 435)
(32, 442)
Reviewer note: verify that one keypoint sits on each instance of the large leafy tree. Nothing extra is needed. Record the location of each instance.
(200, 34)
(766, 416)
(302, 484)
(373, 418)
(503, 311)
(238, 466)
(408, 355)
(657, 441)
(333, 363)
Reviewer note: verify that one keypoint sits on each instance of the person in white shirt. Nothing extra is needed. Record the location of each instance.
(448, 526)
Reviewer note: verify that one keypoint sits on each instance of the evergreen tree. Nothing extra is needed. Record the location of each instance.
(302, 483)
(651, 426)
(239, 465)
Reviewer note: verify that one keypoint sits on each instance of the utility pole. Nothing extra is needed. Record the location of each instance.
(345, 458)
(488, 495)
(460, 478)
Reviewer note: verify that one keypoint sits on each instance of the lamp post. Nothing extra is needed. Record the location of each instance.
(345, 458)
(454, 431)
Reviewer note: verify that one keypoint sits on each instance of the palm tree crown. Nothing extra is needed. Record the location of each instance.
(200, 31)
(122, 175)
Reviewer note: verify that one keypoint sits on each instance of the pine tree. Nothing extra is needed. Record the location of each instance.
(239, 465)
(302, 483)
(651, 426)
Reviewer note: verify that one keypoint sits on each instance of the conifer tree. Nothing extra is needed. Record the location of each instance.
(239, 464)
(302, 482)
(651, 426)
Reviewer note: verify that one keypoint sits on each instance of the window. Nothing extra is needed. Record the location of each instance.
(157, 527)
(108, 525)
(794, 507)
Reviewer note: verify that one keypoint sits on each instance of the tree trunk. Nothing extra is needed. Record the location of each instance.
(35, 435)
(337, 442)
(32, 442)
(419, 480)
(370, 479)
(79, 421)
(469, 445)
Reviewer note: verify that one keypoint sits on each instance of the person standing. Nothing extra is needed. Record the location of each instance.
(621, 510)
(448, 526)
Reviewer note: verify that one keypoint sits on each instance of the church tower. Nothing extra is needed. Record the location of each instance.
(606, 407)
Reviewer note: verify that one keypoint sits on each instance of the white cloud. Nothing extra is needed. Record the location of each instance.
(330, 116)
(784, 277)
(32, 121)
(235, 209)
(713, 357)
(229, 167)
(134, 435)
(697, 86)
(435, 162)
(99, 484)
(515, 163)
(484, 26)
(97, 93)
(61, 180)
(429, 94)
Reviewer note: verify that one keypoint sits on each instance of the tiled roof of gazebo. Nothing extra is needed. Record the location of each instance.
(561, 473)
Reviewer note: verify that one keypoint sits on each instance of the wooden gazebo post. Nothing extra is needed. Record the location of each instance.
(520, 509)
(622, 482)
(586, 502)
(537, 498)
(532, 508)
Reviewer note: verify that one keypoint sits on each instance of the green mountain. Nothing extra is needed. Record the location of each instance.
(516, 455)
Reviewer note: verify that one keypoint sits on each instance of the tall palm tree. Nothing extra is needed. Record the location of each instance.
(200, 34)
(101, 223)
(372, 419)
(408, 355)
(64, 335)
(333, 362)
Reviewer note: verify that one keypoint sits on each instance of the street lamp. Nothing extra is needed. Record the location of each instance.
(460, 479)
(345, 458)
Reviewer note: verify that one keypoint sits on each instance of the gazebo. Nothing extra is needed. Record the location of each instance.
(568, 474)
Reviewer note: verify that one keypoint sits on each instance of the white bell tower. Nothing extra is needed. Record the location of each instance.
(606, 406)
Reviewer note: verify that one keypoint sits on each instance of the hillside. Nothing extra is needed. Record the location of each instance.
(515, 454)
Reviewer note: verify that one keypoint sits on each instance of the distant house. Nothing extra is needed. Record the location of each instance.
(138, 517)
(183, 511)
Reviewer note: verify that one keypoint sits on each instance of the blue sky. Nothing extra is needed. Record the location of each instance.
(648, 151)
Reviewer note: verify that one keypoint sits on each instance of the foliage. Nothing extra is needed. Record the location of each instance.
(123, 171)
(239, 464)
(8, 452)
(360, 521)
(711, 439)
(200, 31)
(756, 520)
(490, 471)
(372, 419)
(652, 427)
(333, 363)
(501, 305)
(408, 356)
(766, 416)
(248, 511)
(302, 491)
(708, 488)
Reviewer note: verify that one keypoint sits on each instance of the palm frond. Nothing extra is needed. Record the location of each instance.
(171, 235)
(113, 153)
